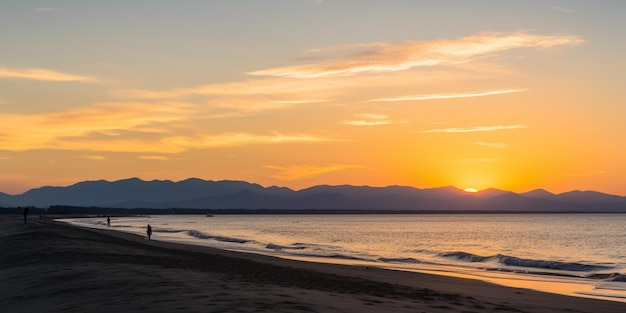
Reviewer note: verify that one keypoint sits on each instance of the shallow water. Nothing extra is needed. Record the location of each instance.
(581, 254)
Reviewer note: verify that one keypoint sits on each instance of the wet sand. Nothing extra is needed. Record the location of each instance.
(47, 266)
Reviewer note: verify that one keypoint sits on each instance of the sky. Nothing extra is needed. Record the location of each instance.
(514, 95)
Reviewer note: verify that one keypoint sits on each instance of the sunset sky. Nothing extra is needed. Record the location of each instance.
(515, 95)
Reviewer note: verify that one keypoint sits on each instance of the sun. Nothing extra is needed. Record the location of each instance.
(470, 190)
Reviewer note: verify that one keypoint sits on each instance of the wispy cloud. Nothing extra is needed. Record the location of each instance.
(299, 101)
(475, 129)
(95, 128)
(298, 172)
(276, 88)
(244, 105)
(94, 157)
(162, 128)
(283, 89)
(448, 95)
(154, 157)
(237, 139)
(368, 119)
(43, 74)
(471, 160)
(388, 57)
(366, 123)
(492, 144)
(237, 99)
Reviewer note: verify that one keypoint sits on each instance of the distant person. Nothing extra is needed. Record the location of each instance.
(108, 221)
(25, 214)
(149, 231)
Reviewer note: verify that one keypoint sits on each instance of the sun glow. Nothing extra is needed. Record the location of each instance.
(472, 190)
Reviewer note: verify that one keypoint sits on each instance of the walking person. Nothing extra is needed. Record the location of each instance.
(149, 231)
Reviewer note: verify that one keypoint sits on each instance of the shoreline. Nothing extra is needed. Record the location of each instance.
(545, 284)
(569, 284)
(50, 266)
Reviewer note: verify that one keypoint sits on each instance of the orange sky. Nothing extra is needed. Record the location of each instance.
(300, 93)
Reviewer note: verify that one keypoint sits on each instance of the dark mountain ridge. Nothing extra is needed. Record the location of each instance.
(196, 193)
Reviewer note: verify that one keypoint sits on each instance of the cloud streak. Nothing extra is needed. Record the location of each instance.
(369, 120)
(43, 75)
(153, 157)
(475, 129)
(492, 144)
(366, 123)
(75, 129)
(448, 95)
(283, 88)
(164, 127)
(238, 139)
(299, 172)
(284, 91)
(388, 57)
(94, 157)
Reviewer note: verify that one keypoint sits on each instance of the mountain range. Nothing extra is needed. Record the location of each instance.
(196, 193)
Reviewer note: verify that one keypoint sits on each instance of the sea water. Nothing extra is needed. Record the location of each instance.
(575, 254)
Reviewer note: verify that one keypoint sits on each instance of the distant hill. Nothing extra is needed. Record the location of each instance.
(491, 193)
(540, 194)
(196, 193)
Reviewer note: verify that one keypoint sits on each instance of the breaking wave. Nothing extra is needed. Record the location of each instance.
(279, 247)
(168, 231)
(201, 235)
(400, 260)
(529, 263)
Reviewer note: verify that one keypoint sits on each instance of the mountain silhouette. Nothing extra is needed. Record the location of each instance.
(194, 193)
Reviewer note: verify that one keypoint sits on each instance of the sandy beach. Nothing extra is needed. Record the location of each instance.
(48, 266)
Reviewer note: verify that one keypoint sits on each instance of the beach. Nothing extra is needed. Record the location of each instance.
(48, 266)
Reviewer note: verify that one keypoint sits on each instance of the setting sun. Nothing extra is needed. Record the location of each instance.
(470, 190)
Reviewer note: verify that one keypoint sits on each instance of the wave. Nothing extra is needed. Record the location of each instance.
(279, 247)
(619, 277)
(332, 256)
(467, 257)
(169, 231)
(201, 235)
(530, 263)
(400, 260)
(338, 256)
(312, 250)
(610, 277)
(553, 265)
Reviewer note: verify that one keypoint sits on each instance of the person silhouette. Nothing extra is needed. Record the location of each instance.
(25, 214)
(149, 231)
(108, 221)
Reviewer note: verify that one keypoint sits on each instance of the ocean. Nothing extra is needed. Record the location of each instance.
(574, 254)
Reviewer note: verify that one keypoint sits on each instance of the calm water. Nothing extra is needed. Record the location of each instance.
(583, 254)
